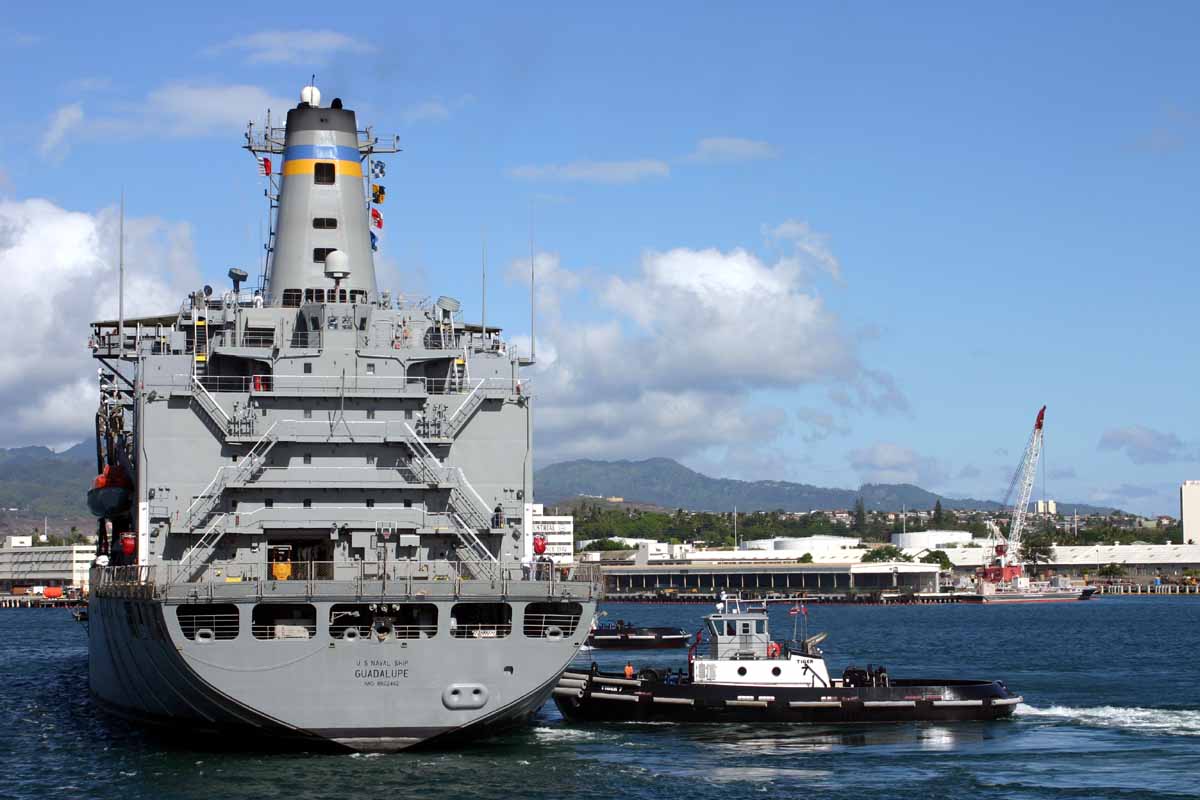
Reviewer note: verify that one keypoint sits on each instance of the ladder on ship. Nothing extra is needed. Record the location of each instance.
(465, 506)
(247, 467)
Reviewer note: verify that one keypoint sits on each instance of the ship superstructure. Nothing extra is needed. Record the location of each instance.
(312, 493)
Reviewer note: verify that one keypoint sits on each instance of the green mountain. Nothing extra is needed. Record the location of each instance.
(667, 483)
(36, 481)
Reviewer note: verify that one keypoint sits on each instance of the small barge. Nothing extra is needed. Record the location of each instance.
(747, 677)
(623, 636)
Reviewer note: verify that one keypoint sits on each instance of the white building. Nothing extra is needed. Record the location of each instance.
(1189, 510)
(18, 541)
(1139, 560)
(46, 566)
(559, 533)
(1046, 507)
(930, 540)
(822, 548)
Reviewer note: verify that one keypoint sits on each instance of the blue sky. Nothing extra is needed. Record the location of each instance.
(821, 244)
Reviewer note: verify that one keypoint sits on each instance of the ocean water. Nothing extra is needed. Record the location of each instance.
(1111, 710)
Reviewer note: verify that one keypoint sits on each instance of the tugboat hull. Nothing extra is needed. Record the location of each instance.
(607, 698)
(638, 638)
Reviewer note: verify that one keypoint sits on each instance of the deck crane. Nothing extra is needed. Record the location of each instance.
(1007, 564)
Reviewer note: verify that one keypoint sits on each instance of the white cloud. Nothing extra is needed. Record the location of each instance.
(1147, 446)
(293, 47)
(197, 109)
(435, 109)
(885, 462)
(728, 149)
(64, 120)
(428, 111)
(94, 83)
(809, 245)
(688, 344)
(47, 376)
(594, 171)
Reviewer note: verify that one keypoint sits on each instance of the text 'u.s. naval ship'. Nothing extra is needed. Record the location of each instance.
(314, 497)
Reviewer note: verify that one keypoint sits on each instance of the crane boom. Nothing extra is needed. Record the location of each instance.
(1008, 549)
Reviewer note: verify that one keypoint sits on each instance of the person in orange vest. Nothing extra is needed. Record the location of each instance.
(629, 670)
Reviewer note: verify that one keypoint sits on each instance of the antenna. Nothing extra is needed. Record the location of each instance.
(483, 285)
(121, 277)
(532, 294)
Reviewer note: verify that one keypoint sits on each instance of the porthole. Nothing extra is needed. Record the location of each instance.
(776, 671)
(741, 670)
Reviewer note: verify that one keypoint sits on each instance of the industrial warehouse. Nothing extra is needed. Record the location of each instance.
(833, 565)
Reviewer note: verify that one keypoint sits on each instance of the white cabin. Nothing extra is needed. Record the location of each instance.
(741, 652)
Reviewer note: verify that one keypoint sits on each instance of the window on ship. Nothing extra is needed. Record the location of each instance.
(481, 620)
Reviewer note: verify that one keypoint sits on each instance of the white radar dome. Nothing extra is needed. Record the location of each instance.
(337, 264)
(311, 95)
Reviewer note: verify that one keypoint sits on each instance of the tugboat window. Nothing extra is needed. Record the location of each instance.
(319, 253)
(291, 298)
(323, 173)
(325, 223)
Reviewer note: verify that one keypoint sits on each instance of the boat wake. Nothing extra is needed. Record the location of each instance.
(1172, 722)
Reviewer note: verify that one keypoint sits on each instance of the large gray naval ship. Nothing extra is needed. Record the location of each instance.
(313, 496)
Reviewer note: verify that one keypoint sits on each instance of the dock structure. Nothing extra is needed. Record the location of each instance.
(1147, 589)
(700, 581)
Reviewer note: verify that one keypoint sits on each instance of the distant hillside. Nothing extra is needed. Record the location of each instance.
(664, 482)
(39, 482)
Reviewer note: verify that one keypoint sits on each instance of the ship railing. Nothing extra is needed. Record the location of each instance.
(332, 385)
(285, 629)
(394, 632)
(410, 577)
(127, 575)
(539, 626)
(481, 630)
(206, 626)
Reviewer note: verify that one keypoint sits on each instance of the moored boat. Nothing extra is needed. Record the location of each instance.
(747, 677)
(623, 636)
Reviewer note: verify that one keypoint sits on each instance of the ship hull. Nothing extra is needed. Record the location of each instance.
(600, 698)
(323, 692)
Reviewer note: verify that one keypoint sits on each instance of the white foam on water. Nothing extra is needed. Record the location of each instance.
(564, 734)
(1173, 722)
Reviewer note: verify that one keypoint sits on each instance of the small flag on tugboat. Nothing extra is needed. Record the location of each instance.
(378, 169)
(376, 218)
(794, 610)
(378, 193)
(264, 165)
(374, 241)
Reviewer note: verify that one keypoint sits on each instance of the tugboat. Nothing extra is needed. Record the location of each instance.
(747, 677)
(623, 636)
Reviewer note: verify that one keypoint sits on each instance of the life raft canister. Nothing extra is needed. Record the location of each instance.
(539, 544)
(128, 543)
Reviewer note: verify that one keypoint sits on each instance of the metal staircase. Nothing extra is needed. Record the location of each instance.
(466, 507)
(456, 421)
(249, 466)
(208, 540)
(210, 406)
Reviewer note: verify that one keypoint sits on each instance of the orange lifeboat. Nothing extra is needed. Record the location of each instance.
(110, 491)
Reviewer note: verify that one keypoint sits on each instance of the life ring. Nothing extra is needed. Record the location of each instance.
(774, 649)
(350, 634)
